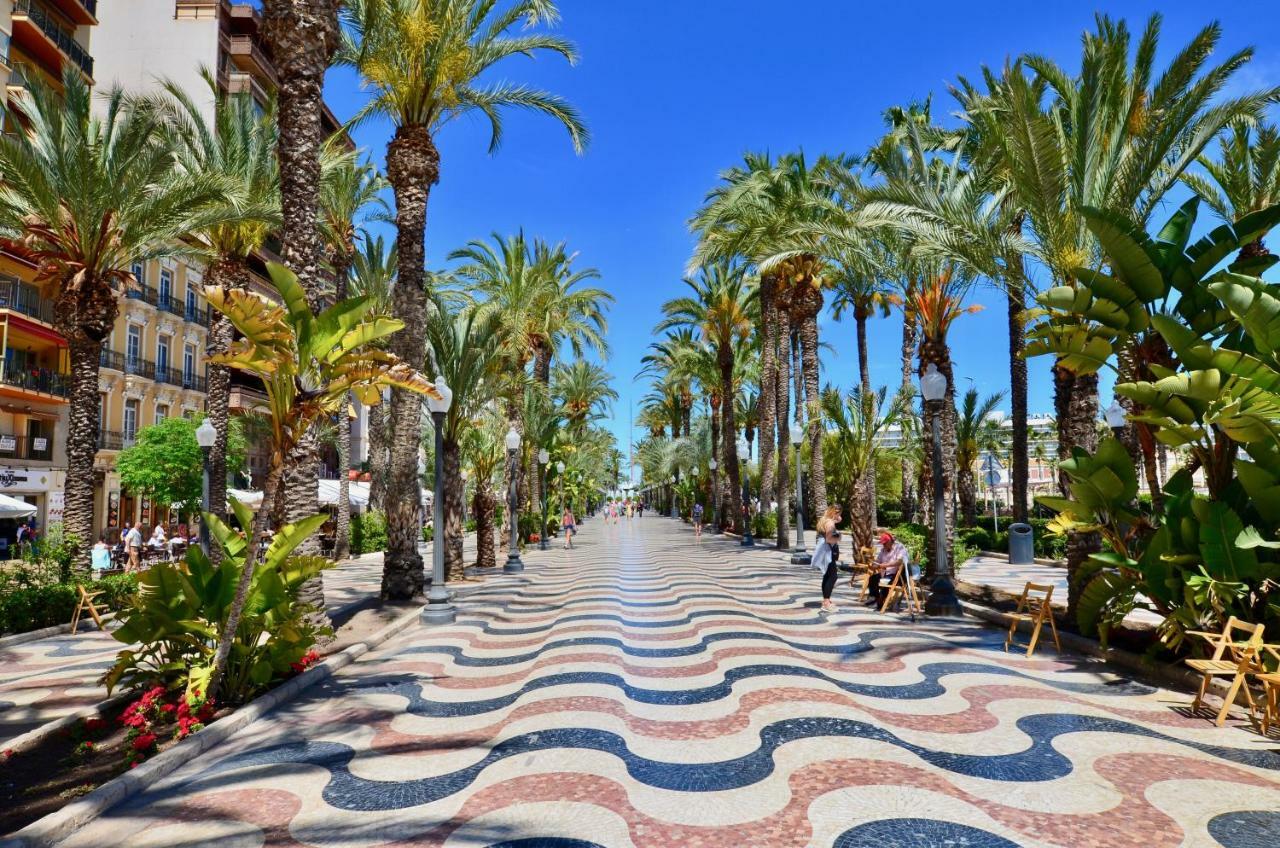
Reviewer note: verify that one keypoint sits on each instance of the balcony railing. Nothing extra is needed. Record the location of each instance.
(13, 446)
(47, 21)
(171, 304)
(36, 379)
(110, 440)
(26, 299)
(146, 294)
(196, 315)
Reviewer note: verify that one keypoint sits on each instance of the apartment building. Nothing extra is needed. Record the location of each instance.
(38, 39)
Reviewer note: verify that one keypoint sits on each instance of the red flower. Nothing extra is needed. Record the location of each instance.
(93, 725)
(167, 708)
(144, 742)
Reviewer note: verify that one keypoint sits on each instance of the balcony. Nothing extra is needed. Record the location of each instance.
(128, 364)
(196, 315)
(80, 12)
(146, 294)
(250, 57)
(195, 9)
(170, 304)
(50, 29)
(238, 82)
(183, 379)
(21, 297)
(36, 380)
(39, 448)
(111, 440)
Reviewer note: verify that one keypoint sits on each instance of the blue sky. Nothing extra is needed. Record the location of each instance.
(677, 90)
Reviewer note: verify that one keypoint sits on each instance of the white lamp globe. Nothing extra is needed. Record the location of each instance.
(206, 434)
(797, 435)
(742, 447)
(543, 456)
(560, 467)
(933, 385)
(713, 465)
(512, 439)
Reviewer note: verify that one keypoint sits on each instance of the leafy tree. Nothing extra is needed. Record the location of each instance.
(165, 464)
(976, 433)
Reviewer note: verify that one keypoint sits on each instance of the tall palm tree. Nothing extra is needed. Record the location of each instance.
(373, 272)
(462, 346)
(584, 392)
(855, 425)
(1244, 178)
(423, 63)
(348, 189)
(482, 445)
(720, 307)
(86, 193)
(238, 146)
(938, 302)
(665, 363)
(571, 314)
(976, 433)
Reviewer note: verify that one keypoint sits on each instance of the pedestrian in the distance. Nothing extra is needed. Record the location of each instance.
(569, 526)
(697, 520)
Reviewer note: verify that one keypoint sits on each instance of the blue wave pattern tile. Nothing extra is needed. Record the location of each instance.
(650, 690)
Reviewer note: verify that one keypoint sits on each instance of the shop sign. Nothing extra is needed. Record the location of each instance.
(8, 443)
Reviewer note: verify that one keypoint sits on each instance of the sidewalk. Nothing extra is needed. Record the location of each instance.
(996, 573)
(45, 680)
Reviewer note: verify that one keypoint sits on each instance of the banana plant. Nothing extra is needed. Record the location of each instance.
(308, 364)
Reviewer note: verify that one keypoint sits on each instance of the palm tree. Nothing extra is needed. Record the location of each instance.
(571, 314)
(939, 302)
(1244, 178)
(424, 62)
(482, 445)
(584, 392)
(664, 363)
(373, 271)
(238, 146)
(976, 433)
(720, 307)
(462, 347)
(308, 365)
(854, 425)
(86, 193)
(349, 187)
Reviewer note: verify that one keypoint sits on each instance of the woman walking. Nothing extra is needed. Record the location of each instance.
(697, 520)
(569, 526)
(826, 558)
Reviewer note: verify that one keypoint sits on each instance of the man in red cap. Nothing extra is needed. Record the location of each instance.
(891, 556)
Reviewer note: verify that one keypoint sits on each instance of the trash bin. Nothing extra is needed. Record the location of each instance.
(1022, 549)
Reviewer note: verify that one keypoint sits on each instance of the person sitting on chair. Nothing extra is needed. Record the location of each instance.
(891, 556)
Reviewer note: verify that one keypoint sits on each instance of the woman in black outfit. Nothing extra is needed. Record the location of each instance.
(826, 558)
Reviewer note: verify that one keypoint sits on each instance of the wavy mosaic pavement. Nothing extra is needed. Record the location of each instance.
(650, 690)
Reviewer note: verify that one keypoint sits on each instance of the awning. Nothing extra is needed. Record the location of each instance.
(326, 492)
(15, 508)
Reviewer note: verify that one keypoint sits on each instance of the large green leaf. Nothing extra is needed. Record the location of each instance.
(1130, 251)
(1219, 529)
(1263, 488)
(1177, 230)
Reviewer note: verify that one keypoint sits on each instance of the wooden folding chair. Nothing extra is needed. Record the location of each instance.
(903, 587)
(863, 564)
(1270, 691)
(1233, 659)
(1035, 609)
(86, 604)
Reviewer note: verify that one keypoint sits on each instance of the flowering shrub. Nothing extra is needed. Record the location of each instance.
(148, 716)
(309, 659)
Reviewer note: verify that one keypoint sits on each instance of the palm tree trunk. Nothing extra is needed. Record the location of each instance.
(731, 506)
(341, 266)
(226, 273)
(1020, 460)
(510, 477)
(378, 454)
(967, 485)
(809, 356)
(771, 314)
(865, 487)
(1075, 400)
(782, 409)
(714, 491)
(482, 509)
(302, 35)
(82, 446)
(452, 538)
(939, 355)
(909, 335)
(413, 167)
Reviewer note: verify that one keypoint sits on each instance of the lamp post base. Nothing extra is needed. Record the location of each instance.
(942, 600)
(747, 541)
(800, 558)
(513, 565)
(542, 543)
(438, 610)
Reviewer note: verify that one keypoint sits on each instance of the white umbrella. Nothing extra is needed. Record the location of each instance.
(250, 499)
(14, 508)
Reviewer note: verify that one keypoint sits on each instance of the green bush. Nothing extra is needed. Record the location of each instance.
(26, 608)
(428, 532)
(368, 532)
(765, 525)
(118, 590)
(529, 525)
(888, 516)
(469, 526)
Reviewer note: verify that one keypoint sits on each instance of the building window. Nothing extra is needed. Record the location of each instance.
(191, 302)
(166, 285)
(133, 345)
(130, 421)
(4, 47)
(188, 365)
(139, 273)
(162, 412)
(162, 355)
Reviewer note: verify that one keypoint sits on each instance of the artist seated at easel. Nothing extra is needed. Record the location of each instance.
(891, 556)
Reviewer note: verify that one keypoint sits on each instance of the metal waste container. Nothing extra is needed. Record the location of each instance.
(1022, 549)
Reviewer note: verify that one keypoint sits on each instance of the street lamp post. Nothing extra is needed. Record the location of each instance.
(715, 498)
(693, 487)
(206, 437)
(942, 595)
(560, 480)
(675, 499)
(747, 540)
(514, 564)
(543, 458)
(438, 609)
(798, 554)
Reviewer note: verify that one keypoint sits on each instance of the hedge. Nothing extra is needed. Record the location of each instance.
(31, 607)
